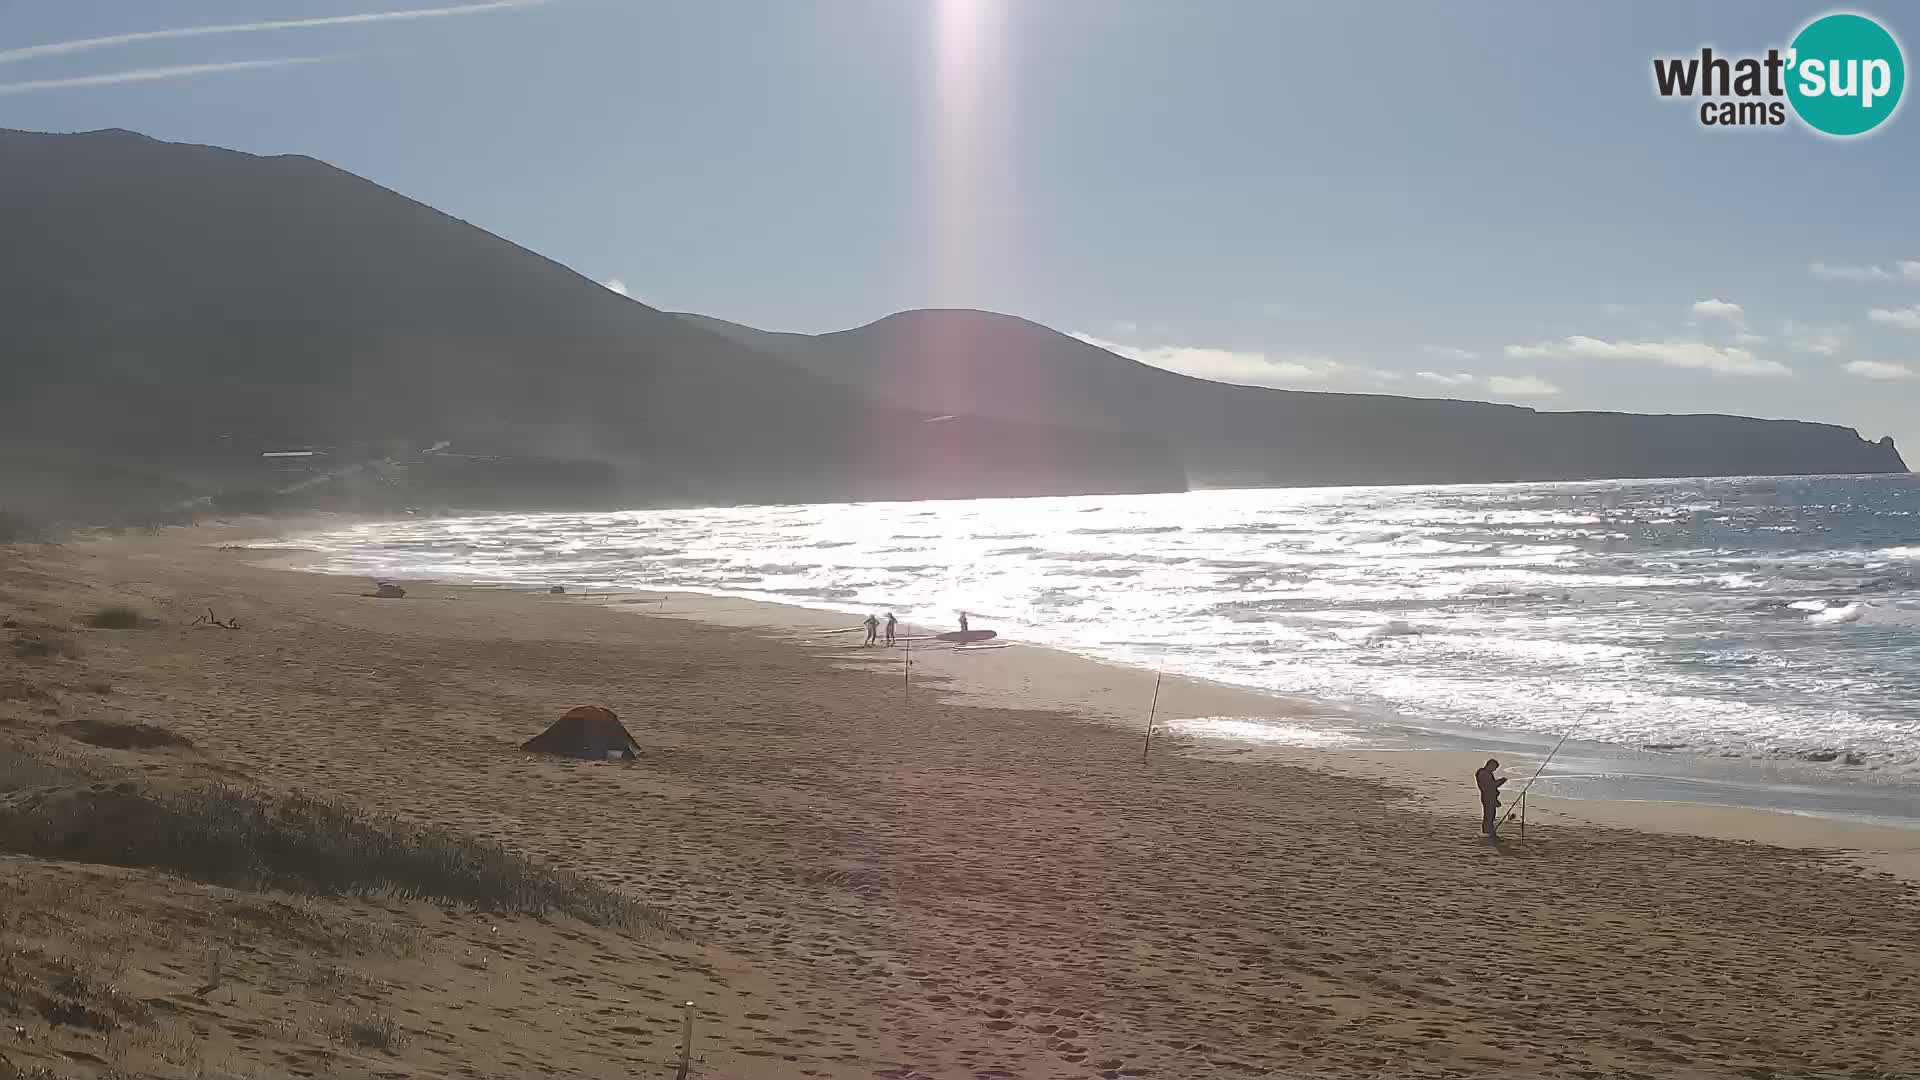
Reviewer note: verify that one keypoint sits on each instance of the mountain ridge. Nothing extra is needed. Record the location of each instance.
(1230, 435)
(172, 311)
(179, 304)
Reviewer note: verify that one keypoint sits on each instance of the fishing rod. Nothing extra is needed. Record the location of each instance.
(1544, 762)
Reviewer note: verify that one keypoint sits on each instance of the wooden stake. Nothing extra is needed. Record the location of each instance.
(906, 680)
(1148, 745)
(686, 1042)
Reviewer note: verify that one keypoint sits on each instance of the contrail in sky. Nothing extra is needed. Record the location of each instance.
(61, 48)
(153, 73)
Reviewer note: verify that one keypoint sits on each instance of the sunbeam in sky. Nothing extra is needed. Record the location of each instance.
(965, 130)
(972, 205)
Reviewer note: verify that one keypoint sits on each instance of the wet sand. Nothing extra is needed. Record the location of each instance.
(1790, 804)
(976, 875)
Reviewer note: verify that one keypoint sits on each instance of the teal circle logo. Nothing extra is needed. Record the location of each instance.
(1845, 74)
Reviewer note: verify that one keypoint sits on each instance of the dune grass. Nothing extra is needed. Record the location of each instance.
(20, 770)
(369, 1029)
(251, 840)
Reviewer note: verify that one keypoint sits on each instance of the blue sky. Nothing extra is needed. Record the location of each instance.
(1479, 200)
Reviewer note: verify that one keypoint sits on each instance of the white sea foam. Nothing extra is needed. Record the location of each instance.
(1646, 611)
(1242, 729)
(1845, 613)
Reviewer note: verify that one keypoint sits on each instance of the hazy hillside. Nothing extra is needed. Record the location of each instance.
(997, 365)
(177, 307)
(168, 312)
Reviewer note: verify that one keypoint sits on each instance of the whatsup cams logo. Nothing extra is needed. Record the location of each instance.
(1842, 75)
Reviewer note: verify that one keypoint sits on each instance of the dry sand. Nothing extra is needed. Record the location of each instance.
(939, 886)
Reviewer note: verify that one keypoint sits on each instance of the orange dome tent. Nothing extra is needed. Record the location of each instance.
(586, 731)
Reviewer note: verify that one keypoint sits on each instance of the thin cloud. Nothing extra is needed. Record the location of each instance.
(1727, 360)
(1507, 385)
(156, 73)
(61, 48)
(1521, 386)
(1449, 352)
(1719, 309)
(616, 285)
(1746, 338)
(1876, 369)
(1907, 318)
(1814, 338)
(1849, 272)
(1244, 367)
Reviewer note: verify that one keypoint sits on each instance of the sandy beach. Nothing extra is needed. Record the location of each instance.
(972, 874)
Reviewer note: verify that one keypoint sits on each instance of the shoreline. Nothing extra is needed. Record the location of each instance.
(1784, 799)
(944, 887)
(1875, 820)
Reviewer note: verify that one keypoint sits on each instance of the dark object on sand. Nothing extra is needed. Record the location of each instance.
(387, 590)
(211, 620)
(586, 731)
(117, 617)
(122, 736)
(558, 590)
(966, 635)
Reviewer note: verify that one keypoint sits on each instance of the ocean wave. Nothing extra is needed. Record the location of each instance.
(1247, 729)
(1127, 530)
(1763, 617)
(1369, 635)
(819, 592)
(1844, 613)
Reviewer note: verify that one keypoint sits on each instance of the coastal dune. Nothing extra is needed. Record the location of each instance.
(874, 879)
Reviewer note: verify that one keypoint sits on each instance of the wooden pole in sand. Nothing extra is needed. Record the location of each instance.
(686, 1042)
(906, 681)
(1148, 745)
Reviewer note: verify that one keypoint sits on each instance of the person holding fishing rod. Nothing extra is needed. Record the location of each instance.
(1490, 785)
(1489, 798)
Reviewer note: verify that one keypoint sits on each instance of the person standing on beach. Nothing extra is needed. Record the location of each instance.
(1489, 786)
(891, 623)
(963, 622)
(873, 628)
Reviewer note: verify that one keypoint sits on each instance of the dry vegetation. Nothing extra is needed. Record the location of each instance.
(244, 839)
(156, 920)
(129, 974)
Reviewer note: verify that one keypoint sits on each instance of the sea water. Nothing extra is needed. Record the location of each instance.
(1767, 617)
